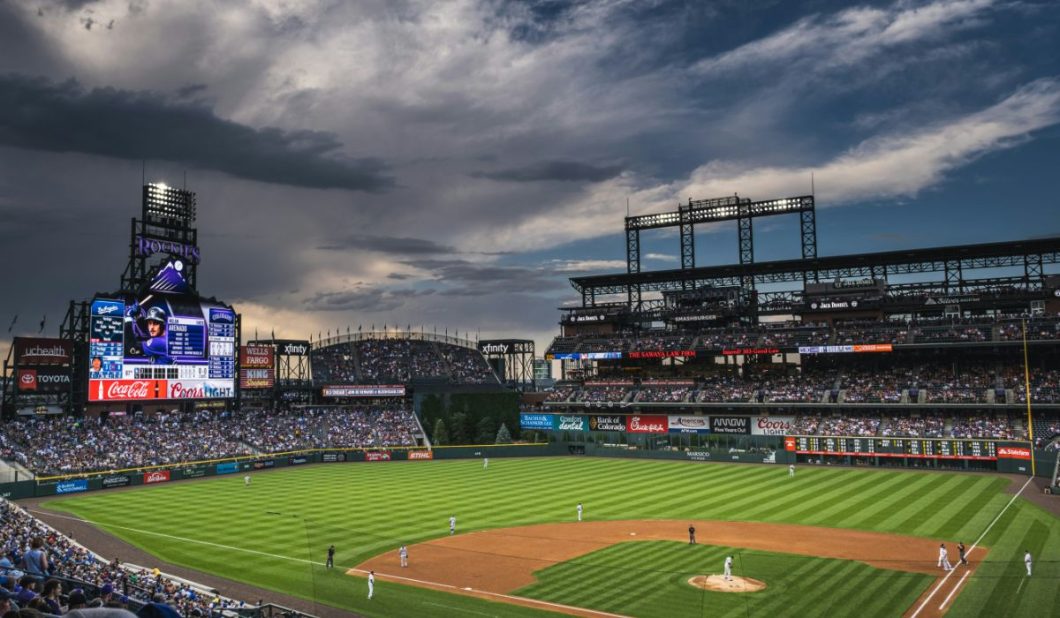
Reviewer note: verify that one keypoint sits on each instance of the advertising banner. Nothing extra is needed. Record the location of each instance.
(535, 421)
(730, 424)
(486, 347)
(333, 457)
(587, 356)
(352, 390)
(789, 443)
(41, 351)
(607, 423)
(156, 476)
(749, 351)
(227, 468)
(44, 380)
(117, 480)
(846, 349)
(257, 366)
(772, 425)
(377, 456)
(293, 348)
(297, 461)
(662, 354)
(648, 424)
(566, 422)
(71, 487)
(194, 472)
(421, 454)
(1013, 452)
(688, 424)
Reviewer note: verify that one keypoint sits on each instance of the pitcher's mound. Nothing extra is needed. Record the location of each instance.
(718, 583)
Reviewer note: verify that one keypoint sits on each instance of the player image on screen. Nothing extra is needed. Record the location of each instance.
(148, 330)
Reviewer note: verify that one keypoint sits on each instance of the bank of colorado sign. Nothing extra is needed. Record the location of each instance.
(607, 423)
(647, 424)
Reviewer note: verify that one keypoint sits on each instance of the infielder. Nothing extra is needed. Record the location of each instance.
(371, 583)
(944, 558)
(403, 553)
(579, 511)
(331, 558)
(452, 525)
(691, 534)
(960, 552)
(1027, 561)
(791, 470)
(246, 480)
(728, 568)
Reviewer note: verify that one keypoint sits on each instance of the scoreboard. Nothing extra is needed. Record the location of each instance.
(915, 448)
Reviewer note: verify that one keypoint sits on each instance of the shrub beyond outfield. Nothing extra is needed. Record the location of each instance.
(217, 525)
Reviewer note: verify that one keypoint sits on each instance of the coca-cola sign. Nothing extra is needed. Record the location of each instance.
(773, 425)
(127, 390)
(648, 424)
(157, 476)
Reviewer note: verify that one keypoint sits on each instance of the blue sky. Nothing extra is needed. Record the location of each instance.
(453, 163)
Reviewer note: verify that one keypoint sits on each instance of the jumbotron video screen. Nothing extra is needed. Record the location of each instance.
(165, 343)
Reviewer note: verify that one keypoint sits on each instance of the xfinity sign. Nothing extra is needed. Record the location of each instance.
(294, 349)
(494, 348)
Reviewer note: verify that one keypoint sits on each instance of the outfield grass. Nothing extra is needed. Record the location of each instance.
(366, 509)
(650, 579)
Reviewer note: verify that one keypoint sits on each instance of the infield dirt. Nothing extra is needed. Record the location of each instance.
(494, 563)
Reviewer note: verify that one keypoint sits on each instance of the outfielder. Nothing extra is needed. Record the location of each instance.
(791, 470)
(728, 568)
(371, 583)
(246, 480)
(452, 525)
(331, 558)
(579, 511)
(485, 462)
(1027, 561)
(944, 558)
(403, 553)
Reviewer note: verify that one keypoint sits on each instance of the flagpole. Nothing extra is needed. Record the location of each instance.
(1027, 387)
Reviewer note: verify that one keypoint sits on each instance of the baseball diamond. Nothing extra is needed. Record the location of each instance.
(518, 542)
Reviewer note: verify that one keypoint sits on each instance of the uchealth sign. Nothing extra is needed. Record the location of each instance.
(688, 424)
(772, 425)
(38, 351)
(647, 424)
(730, 424)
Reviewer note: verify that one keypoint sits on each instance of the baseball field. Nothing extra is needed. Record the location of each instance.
(831, 541)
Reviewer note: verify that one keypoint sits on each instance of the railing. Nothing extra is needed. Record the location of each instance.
(411, 335)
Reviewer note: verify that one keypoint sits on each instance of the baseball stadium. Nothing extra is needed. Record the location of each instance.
(813, 436)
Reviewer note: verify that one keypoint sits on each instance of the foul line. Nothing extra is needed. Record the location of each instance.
(971, 549)
(304, 561)
(955, 589)
(499, 595)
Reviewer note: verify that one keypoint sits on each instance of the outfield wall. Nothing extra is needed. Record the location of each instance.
(72, 484)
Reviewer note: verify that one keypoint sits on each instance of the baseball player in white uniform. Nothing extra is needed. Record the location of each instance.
(1027, 561)
(403, 553)
(944, 558)
(579, 511)
(791, 470)
(485, 462)
(728, 568)
(371, 583)
(452, 525)
(246, 480)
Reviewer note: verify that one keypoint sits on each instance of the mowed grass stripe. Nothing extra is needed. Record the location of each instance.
(366, 509)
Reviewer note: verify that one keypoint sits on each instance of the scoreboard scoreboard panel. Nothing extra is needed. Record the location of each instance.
(916, 448)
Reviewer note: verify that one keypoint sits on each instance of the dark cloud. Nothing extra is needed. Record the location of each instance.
(38, 114)
(563, 171)
(363, 299)
(466, 278)
(386, 244)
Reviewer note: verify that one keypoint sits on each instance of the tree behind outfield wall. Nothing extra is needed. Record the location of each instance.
(503, 435)
(458, 428)
(440, 435)
(485, 431)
